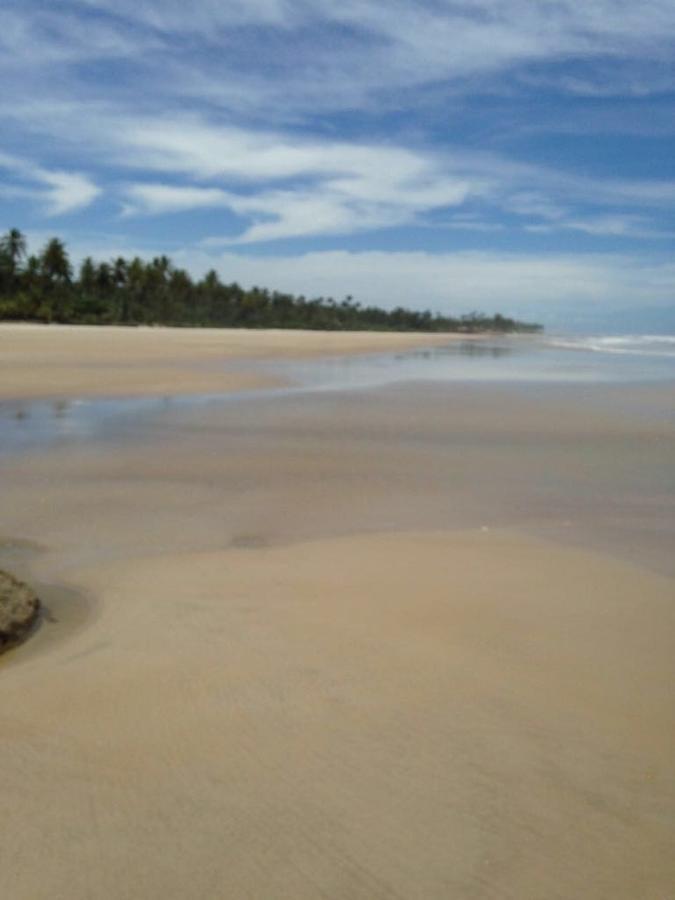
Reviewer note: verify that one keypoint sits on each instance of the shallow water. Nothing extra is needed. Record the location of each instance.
(31, 424)
(497, 360)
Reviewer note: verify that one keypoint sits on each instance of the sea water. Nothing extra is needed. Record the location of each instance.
(508, 359)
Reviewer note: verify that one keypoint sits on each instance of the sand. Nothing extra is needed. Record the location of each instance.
(79, 360)
(381, 716)
(406, 643)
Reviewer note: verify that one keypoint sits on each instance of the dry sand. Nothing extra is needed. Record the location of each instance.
(80, 360)
(346, 646)
(412, 715)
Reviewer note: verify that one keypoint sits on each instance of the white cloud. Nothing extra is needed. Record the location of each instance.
(66, 191)
(283, 187)
(201, 16)
(447, 33)
(337, 188)
(273, 57)
(608, 226)
(45, 38)
(194, 147)
(157, 199)
(280, 186)
(532, 203)
(59, 192)
(349, 204)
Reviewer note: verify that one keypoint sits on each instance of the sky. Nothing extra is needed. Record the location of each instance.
(496, 155)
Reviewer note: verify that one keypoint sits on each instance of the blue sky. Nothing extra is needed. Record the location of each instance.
(512, 155)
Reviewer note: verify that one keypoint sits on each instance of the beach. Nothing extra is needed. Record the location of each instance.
(79, 360)
(400, 638)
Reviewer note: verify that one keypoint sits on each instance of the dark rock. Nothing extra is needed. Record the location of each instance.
(19, 609)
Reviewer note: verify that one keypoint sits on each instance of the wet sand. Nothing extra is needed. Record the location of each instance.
(412, 642)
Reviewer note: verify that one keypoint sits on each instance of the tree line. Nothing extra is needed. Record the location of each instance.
(45, 288)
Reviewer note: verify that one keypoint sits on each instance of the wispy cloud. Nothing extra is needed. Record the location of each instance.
(45, 38)
(157, 199)
(281, 187)
(626, 226)
(505, 30)
(315, 54)
(57, 191)
(302, 187)
(202, 16)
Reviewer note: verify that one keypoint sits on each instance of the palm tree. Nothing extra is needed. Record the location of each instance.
(134, 290)
(162, 267)
(56, 273)
(12, 251)
(211, 280)
(87, 275)
(120, 272)
(13, 246)
(55, 263)
(104, 278)
(31, 274)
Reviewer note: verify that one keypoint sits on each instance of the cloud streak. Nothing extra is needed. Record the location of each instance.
(57, 191)
(314, 54)
(289, 188)
(302, 188)
(280, 186)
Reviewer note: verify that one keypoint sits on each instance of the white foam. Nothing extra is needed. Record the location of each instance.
(626, 344)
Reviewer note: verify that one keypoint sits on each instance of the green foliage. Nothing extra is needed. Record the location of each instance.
(42, 288)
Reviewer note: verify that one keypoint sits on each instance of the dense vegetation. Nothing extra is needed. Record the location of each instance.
(44, 288)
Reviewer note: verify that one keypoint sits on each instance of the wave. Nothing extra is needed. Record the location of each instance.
(626, 344)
